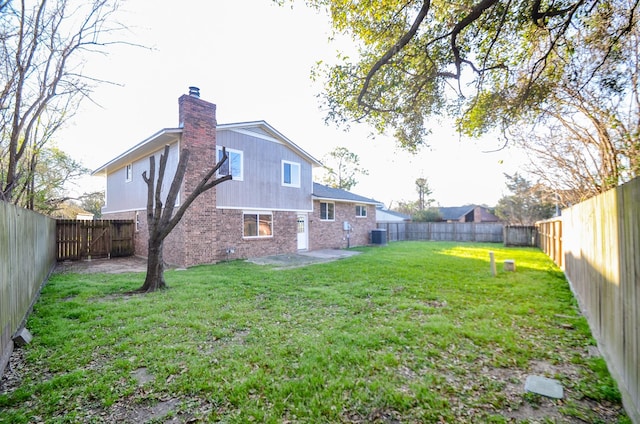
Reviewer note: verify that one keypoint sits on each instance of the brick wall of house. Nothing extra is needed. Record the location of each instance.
(227, 235)
(330, 234)
(230, 228)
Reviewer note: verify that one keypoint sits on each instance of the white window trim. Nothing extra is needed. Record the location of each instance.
(295, 184)
(128, 172)
(334, 211)
(258, 213)
(239, 152)
(362, 208)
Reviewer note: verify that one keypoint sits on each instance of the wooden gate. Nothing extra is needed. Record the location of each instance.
(78, 239)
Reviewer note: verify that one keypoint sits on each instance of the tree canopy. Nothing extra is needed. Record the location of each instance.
(587, 140)
(484, 62)
(526, 204)
(43, 45)
(342, 168)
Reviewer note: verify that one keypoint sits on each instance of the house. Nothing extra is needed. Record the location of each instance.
(70, 210)
(271, 206)
(469, 213)
(387, 215)
(84, 216)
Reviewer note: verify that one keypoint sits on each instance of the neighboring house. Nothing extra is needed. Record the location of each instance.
(271, 206)
(469, 213)
(386, 215)
(70, 210)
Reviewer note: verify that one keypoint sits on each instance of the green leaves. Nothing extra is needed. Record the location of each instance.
(343, 167)
(486, 62)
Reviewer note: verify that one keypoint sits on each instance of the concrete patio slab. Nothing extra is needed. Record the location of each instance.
(303, 258)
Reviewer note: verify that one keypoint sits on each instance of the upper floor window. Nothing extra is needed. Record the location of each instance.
(327, 211)
(233, 165)
(361, 211)
(128, 172)
(290, 174)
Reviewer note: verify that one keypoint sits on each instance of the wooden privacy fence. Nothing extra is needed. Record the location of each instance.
(597, 243)
(520, 235)
(550, 239)
(444, 231)
(78, 239)
(27, 256)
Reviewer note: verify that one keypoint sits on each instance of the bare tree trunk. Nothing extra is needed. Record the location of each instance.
(160, 219)
(155, 269)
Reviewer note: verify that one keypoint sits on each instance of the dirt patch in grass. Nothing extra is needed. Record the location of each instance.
(106, 266)
(139, 264)
(13, 373)
(144, 412)
(141, 407)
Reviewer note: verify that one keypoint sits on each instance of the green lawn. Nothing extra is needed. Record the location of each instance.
(410, 332)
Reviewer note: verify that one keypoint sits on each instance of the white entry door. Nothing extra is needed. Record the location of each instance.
(303, 233)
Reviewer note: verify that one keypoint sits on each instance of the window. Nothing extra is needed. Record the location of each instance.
(234, 163)
(361, 211)
(257, 224)
(128, 173)
(290, 174)
(327, 211)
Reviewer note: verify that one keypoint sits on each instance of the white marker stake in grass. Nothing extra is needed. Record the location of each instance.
(492, 260)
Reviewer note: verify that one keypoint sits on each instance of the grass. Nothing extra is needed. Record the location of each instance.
(412, 332)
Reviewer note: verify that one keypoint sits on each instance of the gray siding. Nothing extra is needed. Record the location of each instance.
(261, 187)
(125, 195)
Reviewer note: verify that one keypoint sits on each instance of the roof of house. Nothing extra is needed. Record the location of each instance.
(324, 192)
(455, 212)
(265, 131)
(146, 147)
(385, 214)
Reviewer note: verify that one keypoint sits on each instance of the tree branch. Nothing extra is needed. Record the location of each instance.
(205, 184)
(402, 42)
(476, 12)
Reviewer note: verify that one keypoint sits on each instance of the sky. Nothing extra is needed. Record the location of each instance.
(253, 59)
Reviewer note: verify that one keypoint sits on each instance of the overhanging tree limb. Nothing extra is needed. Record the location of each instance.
(516, 52)
(403, 41)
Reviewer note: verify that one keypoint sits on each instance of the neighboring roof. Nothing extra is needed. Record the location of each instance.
(456, 212)
(324, 192)
(260, 129)
(389, 215)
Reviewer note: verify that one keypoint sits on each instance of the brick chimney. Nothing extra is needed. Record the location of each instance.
(195, 235)
(198, 122)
